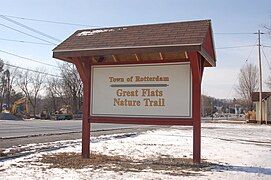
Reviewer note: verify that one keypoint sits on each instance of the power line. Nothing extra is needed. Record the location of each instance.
(87, 25)
(234, 33)
(28, 42)
(246, 60)
(35, 71)
(266, 59)
(29, 28)
(232, 47)
(29, 59)
(27, 34)
(49, 21)
(251, 52)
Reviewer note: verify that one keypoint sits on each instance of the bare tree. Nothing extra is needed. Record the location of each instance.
(5, 85)
(72, 86)
(31, 84)
(13, 73)
(56, 97)
(2, 84)
(66, 90)
(248, 83)
(207, 105)
(8, 78)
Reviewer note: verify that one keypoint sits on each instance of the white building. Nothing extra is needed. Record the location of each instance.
(266, 106)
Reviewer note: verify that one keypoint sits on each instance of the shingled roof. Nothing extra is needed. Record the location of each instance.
(186, 36)
(255, 96)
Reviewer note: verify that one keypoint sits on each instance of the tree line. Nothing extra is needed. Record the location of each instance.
(47, 93)
(248, 82)
(43, 92)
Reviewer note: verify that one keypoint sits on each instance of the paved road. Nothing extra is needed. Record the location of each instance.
(35, 127)
(42, 131)
(10, 128)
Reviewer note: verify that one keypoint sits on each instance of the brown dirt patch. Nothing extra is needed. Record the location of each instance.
(167, 165)
(2, 154)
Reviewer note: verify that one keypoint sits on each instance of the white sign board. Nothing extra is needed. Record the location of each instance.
(148, 90)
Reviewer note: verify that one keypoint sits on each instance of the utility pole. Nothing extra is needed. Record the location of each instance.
(260, 82)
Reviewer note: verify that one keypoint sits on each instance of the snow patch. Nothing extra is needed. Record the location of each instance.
(98, 31)
(242, 152)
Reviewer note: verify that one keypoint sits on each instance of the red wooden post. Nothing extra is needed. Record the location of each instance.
(196, 99)
(86, 123)
(84, 69)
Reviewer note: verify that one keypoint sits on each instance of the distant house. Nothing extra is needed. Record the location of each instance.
(266, 106)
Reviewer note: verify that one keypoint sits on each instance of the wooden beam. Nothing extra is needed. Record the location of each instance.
(137, 57)
(110, 51)
(196, 68)
(195, 62)
(161, 56)
(80, 68)
(144, 62)
(115, 58)
(93, 59)
(83, 66)
(186, 55)
(146, 121)
(86, 110)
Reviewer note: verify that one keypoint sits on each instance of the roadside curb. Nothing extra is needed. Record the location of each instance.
(52, 134)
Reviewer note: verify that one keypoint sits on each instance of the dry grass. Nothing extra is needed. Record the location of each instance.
(167, 165)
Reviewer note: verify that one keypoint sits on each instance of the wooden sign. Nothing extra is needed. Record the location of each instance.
(144, 74)
(142, 90)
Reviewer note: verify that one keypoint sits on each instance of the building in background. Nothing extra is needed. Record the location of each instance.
(266, 106)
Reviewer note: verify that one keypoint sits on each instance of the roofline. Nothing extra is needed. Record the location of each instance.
(119, 50)
(147, 24)
(256, 95)
(208, 58)
(66, 55)
(128, 47)
(212, 37)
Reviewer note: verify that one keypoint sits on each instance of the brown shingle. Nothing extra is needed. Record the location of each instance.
(192, 32)
(255, 96)
(141, 39)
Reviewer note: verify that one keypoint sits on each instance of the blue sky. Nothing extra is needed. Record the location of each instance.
(244, 16)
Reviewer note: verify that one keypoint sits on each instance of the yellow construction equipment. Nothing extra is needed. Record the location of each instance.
(20, 108)
(65, 113)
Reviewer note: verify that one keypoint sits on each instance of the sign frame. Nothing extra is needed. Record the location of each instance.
(159, 65)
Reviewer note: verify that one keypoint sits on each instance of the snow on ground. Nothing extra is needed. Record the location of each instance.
(242, 150)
